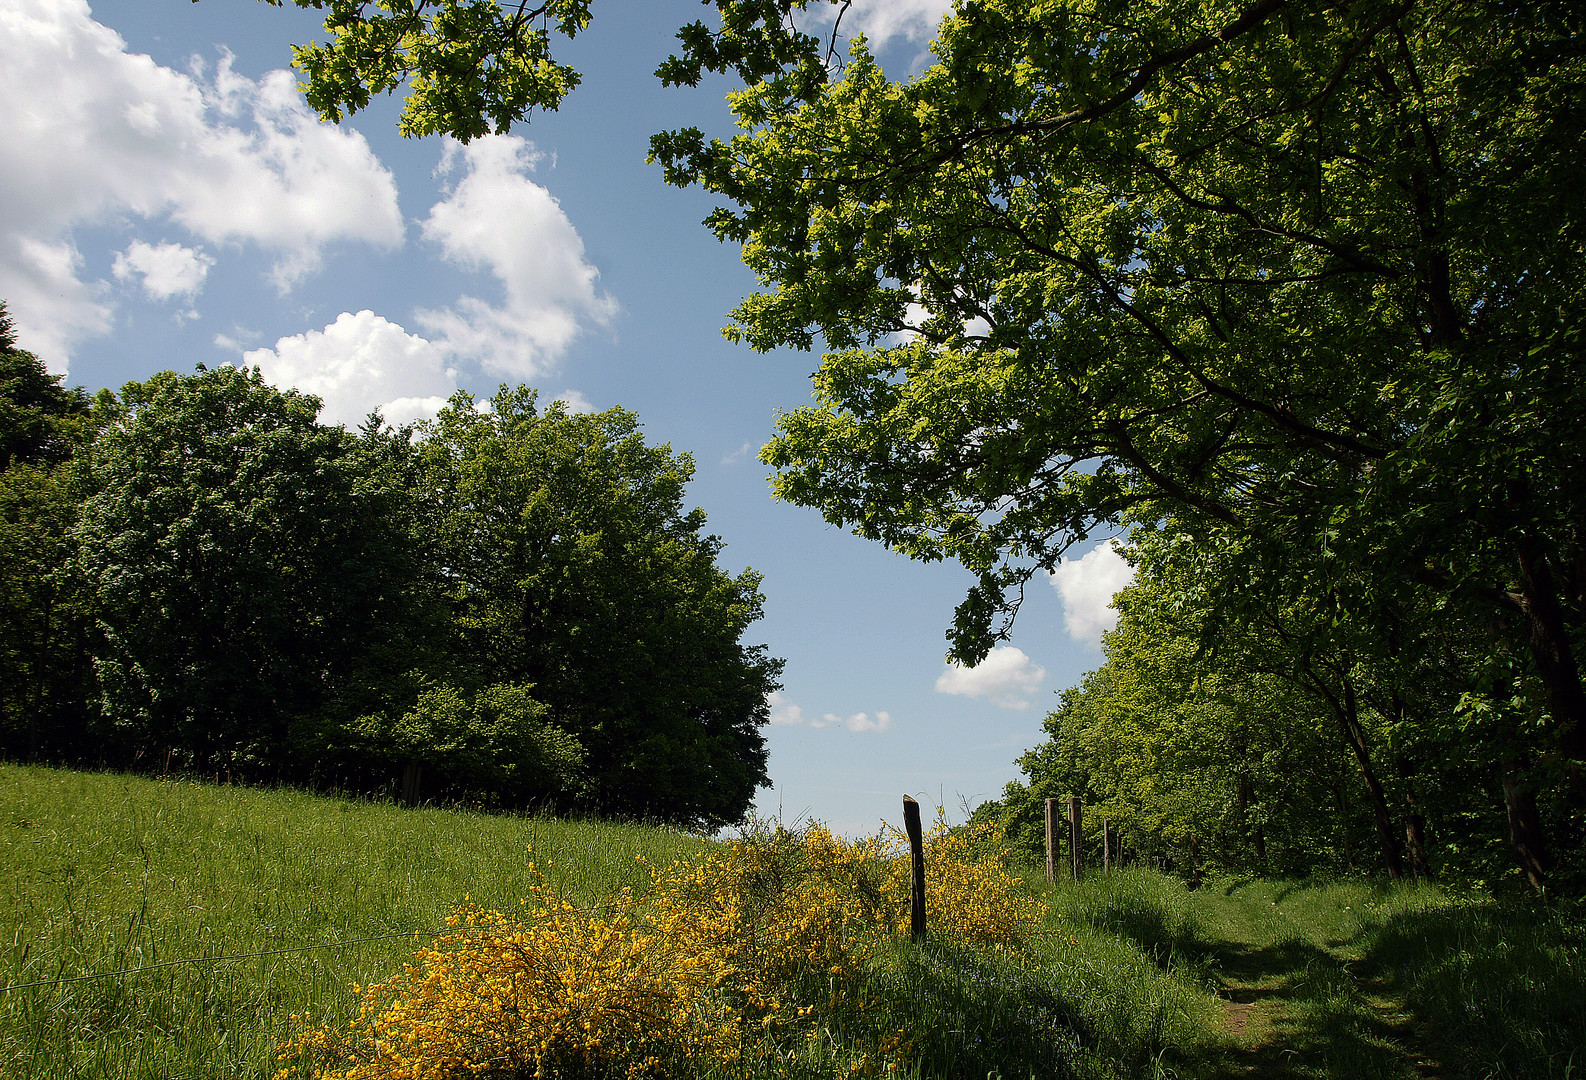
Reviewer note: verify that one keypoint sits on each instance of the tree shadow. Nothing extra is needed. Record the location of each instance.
(1294, 1011)
(1168, 941)
(1496, 987)
(976, 1016)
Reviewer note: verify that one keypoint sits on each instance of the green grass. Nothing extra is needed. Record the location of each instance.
(168, 929)
(113, 883)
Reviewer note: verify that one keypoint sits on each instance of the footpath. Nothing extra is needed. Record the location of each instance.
(1297, 1005)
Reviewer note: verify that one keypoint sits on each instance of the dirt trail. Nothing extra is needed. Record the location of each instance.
(1297, 1008)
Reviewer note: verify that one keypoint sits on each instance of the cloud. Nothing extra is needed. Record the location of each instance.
(96, 135)
(916, 314)
(1005, 677)
(50, 307)
(882, 20)
(360, 363)
(785, 713)
(738, 456)
(859, 721)
(1087, 586)
(167, 270)
(575, 402)
(498, 220)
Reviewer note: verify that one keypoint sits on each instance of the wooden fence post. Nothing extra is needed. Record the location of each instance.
(1051, 841)
(1076, 835)
(1106, 847)
(911, 825)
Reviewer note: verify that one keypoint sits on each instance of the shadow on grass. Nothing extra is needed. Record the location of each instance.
(1169, 941)
(1294, 1011)
(1497, 988)
(969, 1015)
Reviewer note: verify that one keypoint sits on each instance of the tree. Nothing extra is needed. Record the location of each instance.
(242, 558)
(495, 747)
(1280, 270)
(1174, 747)
(43, 662)
(571, 567)
(40, 422)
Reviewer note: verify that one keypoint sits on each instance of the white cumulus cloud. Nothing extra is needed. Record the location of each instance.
(166, 270)
(859, 721)
(97, 135)
(498, 220)
(1006, 677)
(1087, 586)
(882, 20)
(785, 713)
(360, 363)
(575, 402)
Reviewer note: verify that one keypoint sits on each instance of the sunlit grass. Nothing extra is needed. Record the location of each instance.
(167, 929)
(108, 874)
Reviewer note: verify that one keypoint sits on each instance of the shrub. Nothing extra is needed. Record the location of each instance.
(760, 954)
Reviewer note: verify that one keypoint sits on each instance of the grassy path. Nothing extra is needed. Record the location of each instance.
(1299, 1000)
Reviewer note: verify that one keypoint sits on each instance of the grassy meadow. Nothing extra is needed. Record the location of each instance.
(170, 929)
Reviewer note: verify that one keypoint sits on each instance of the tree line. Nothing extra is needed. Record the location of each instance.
(507, 604)
(1237, 729)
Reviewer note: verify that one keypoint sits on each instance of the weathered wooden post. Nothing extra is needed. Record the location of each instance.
(1051, 841)
(1106, 847)
(911, 825)
(1076, 835)
(1194, 862)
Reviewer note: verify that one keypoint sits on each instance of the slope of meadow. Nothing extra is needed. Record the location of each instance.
(107, 873)
(167, 929)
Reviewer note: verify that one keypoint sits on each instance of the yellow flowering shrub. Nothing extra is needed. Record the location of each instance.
(755, 953)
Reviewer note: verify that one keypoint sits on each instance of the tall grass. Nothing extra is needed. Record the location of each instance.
(1503, 986)
(114, 884)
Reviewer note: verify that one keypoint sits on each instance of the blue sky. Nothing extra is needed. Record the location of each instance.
(166, 200)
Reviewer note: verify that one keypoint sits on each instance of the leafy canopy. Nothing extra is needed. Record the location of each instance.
(471, 66)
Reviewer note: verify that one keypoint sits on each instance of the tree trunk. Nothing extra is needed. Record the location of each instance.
(1555, 660)
(1525, 826)
(1415, 841)
(1415, 822)
(1348, 714)
(412, 783)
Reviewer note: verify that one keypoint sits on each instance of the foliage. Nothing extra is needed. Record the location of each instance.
(40, 422)
(569, 564)
(240, 555)
(471, 68)
(496, 745)
(749, 956)
(1255, 265)
(1277, 736)
(43, 619)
